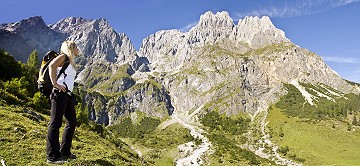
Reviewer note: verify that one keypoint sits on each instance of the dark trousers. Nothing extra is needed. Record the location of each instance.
(61, 104)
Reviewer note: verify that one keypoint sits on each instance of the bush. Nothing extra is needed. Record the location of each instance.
(17, 86)
(40, 103)
(9, 67)
(8, 98)
(82, 114)
(218, 122)
(226, 147)
(147, 125)
(127, 129)
(283, 150)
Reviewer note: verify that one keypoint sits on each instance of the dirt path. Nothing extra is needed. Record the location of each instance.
(192, 153)
(258, 124)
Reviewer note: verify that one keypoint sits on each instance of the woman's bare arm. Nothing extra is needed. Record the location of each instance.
(57, 62)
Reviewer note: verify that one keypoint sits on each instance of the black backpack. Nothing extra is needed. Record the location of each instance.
(44, 83)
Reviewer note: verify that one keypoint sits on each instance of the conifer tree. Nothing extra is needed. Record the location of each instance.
(33, 61)
(33, 69)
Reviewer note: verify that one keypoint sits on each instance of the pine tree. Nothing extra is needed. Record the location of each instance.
(33, 69)
(33, 61)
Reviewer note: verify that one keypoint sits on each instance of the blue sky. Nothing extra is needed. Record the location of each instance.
(330, 28)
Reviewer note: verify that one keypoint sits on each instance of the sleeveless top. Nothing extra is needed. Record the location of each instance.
(67, 81)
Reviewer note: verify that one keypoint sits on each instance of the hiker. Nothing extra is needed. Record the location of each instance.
(62, 103)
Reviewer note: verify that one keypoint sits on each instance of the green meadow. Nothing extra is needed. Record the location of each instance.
(327, 142)
(23, 141)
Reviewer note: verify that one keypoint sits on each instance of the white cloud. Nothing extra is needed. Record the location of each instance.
(296, 8)
(339, 59)
(188, 27)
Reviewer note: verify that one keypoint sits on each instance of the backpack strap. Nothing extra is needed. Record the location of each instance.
(64, 67)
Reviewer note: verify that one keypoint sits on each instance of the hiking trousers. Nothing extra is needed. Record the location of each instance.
(61, 104)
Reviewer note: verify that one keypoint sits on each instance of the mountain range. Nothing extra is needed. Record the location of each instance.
(179, 77)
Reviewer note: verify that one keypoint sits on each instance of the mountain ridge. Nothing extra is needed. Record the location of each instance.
(171, 50)
(179, 77)
(210, 29)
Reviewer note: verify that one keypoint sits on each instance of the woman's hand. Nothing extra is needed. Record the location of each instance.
(59, 87)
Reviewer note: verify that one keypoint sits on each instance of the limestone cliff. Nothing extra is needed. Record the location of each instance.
(232, 68)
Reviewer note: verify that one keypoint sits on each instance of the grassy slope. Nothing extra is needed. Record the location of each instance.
(317, 143)
(160, 146)
(23, 142)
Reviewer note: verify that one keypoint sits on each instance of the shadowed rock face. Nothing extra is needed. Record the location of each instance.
(28, 35)
(17, 40)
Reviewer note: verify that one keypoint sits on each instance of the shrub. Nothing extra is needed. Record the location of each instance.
(40, 102)
(283, 150)
(8, 98)
(127, 129)
(234, 126)
(17, 86)
(9, 67)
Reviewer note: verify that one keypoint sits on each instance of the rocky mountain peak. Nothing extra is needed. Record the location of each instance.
(249, 33)
(31, 34)
(263, 22)
(97, 39)
(79, 24)
(36, 21)
(32, 23)
(75, 20)
(210, 29)
(257, 32)
(210, 20)
(68, 24)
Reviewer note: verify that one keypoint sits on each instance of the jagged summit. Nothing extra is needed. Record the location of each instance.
(249, 33)
(258, 32)
(210, 20)
(31, 23)
(256, 24)
(31, 33)
(96, 38)
(68, 24)
(70, 21)
(245, 31)
(264, 21)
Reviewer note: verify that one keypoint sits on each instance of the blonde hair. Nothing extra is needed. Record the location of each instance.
(68, 48)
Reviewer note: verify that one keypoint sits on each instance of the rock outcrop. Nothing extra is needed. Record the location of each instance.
(97, 39)
(148, 97)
